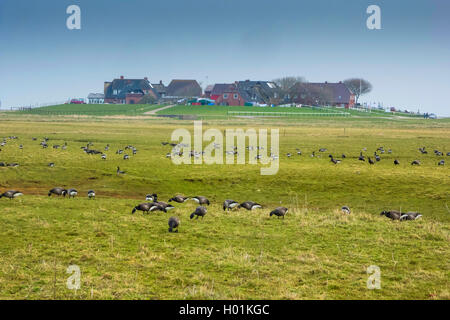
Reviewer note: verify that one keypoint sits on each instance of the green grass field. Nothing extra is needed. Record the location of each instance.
(316, 252)
(92, 109)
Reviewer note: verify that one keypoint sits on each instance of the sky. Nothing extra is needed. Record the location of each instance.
(217, 41)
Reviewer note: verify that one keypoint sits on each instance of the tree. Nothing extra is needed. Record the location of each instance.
(148, 99)
(358, 86)
(286, 83)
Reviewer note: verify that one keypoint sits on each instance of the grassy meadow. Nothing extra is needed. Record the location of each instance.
(316, 252)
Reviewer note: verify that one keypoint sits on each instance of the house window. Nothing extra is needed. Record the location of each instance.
(235, 96)
(225, 96)
(115, 92)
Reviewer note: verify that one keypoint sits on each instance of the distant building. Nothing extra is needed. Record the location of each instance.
(329, 94)
(183, 89)
(128, 91)
(259, 92)
(96, 98)
(160, 88)
(229, 96)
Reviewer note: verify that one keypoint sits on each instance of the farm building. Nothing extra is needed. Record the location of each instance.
(242, 93)
(183, 89)
(226, 94)
(96, 98)
(259, 92)
(331, 94)
(129, 91)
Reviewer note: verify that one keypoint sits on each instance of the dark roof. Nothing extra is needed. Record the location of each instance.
(124, 86)
(159, 87)
(96, 96)
(257, 91)
(184, 88)
(339, 92)
(220, 88)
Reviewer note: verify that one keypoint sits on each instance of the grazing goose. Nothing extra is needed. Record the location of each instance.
(199, 212)
(104, 156)
(174, 222)
(126, 157)
(346, 209)
(322, 149)
(410, 216)
(14, 164)
(441, 163)
(11, 194)
(250, 205)
(396, 162)
(178, 198)
(2, 164)
(151, 197)
(119, 171)
(144, 207)
(51, 164)
(313, 154)
(361, 157)
(415, 163)
(161, 206)
(58, 191)
(390, 151)
(335, 161)
(448, 154)
(344, 156)
(371, 161)
(377, 157)
(229, 204)
(72, 193)
(200, 200)
(279, 212)
(394, 215)
(91, 194)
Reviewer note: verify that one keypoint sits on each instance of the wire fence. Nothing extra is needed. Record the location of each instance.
(289, 114)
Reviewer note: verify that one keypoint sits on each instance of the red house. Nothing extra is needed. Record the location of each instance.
(226, 94)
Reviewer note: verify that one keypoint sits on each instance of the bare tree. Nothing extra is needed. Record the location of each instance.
(286, 83)
(358, 86)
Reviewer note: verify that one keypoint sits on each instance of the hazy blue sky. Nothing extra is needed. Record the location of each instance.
(408, 61)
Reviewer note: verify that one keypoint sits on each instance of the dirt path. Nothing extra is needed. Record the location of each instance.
(156, 110)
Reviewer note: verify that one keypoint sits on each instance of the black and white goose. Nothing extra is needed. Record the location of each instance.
(151, 197)
(396, 162)
(119, 171)
(200, 200)
(179, 199)
(126, 157)
(199, 212)
(371, 161)
(103, 156)
(410, 216)
(91, 194)
(441, 163)
(279, 212)
(229, 204)
(174, 222)
(144, 207)
(361, 157)
(415, 163)
(11, 194)
(161, 206)
(335, 161)
(346, 209)
(72, 192)
(57, 191)
(250, 205)
(394, 215)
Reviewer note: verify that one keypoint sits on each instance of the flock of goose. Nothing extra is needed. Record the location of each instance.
(177, 151)
(153, 204)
